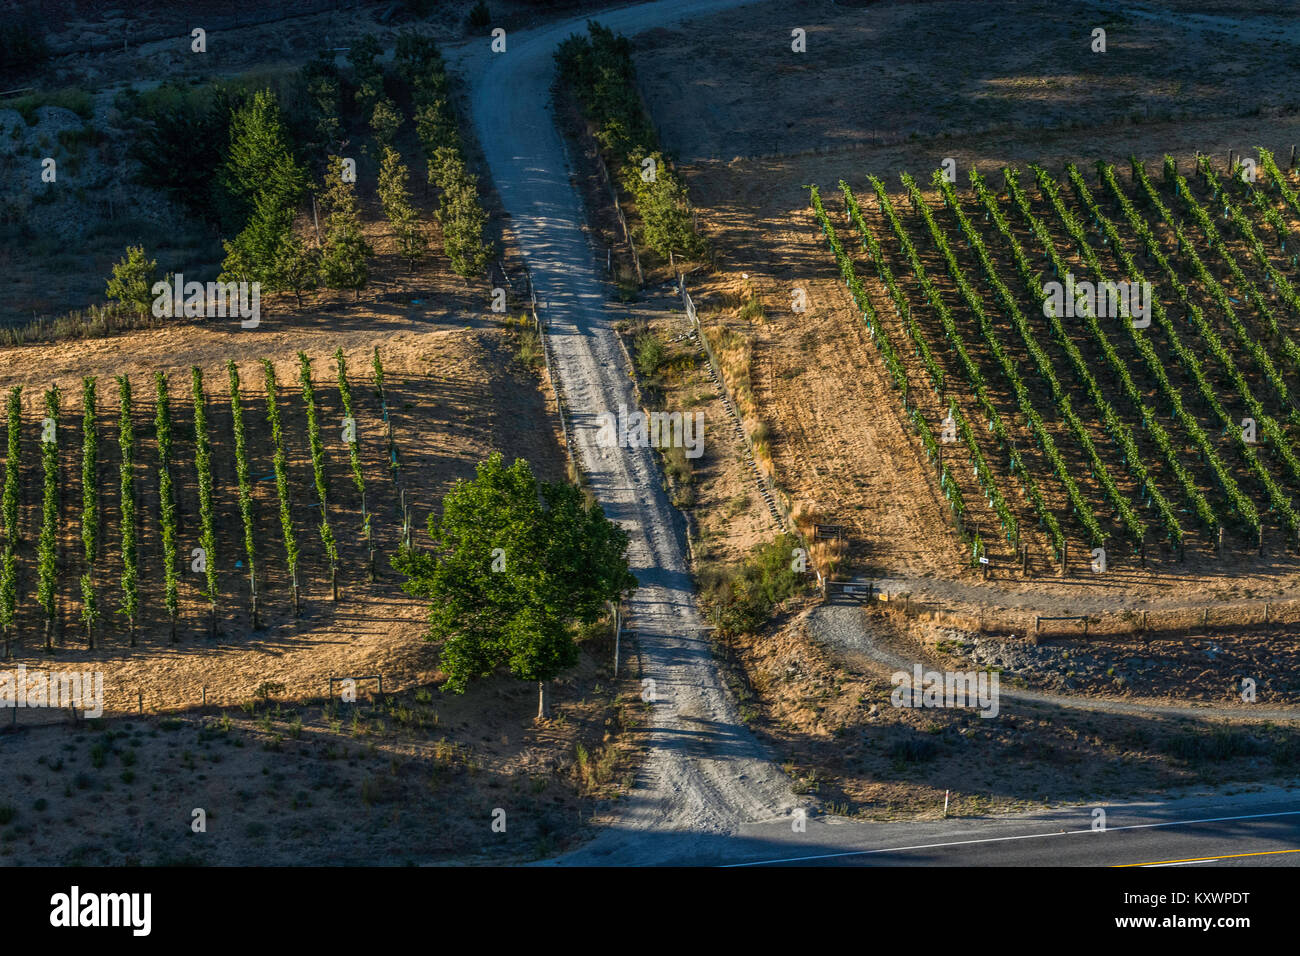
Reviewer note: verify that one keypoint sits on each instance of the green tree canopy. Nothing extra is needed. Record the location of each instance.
(132, 281)
(260, 168)
(517, 564)
(263, 176)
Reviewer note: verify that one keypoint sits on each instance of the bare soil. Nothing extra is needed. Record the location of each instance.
(406, 778)
(830, 714)
(729, 85)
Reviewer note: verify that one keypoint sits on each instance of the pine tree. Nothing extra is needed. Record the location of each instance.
(132, 282)
(267, 184)
(398, 209)
(343, 258)
(385, 121)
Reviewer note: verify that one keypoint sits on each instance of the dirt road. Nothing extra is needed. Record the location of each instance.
(845, 627)
(705, 772)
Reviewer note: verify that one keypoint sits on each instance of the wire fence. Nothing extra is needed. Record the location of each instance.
(1127, 623)
(53, 708)
(622, 220)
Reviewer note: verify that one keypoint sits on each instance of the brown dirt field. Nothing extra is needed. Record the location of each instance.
(410, 778)
(728, 85)
(845, 743)
(303, 785)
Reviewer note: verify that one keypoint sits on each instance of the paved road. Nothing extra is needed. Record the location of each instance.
(1254, 829)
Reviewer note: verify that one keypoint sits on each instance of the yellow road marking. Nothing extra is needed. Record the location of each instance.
(1204, 859)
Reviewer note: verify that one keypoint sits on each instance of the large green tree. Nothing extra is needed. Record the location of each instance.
(517, 564)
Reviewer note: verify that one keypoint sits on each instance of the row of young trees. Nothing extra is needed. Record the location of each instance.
(1136, 397)
(598, 69)
(1278, 281)
(1238, 505)
(126, 474)
(1119, 430)
(1124, 509)
(350, 438)
(166, 498)
(89, 508)
(282, 481)
(975, 379)
(244, 481)
(460, 210)
(318, 468)
(204, 559)
(9, 506)
(47, 548)
(1188, 254)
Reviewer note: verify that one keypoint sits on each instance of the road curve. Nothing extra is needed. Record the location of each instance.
(845, 627)
(705, 773)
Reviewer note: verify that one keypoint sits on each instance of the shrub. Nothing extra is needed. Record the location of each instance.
(132, 281)
(742, 599)
(650, 354)
(1219, 744)
(913, 750)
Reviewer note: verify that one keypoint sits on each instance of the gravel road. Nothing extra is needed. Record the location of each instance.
(843, 626)
(705, 773)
